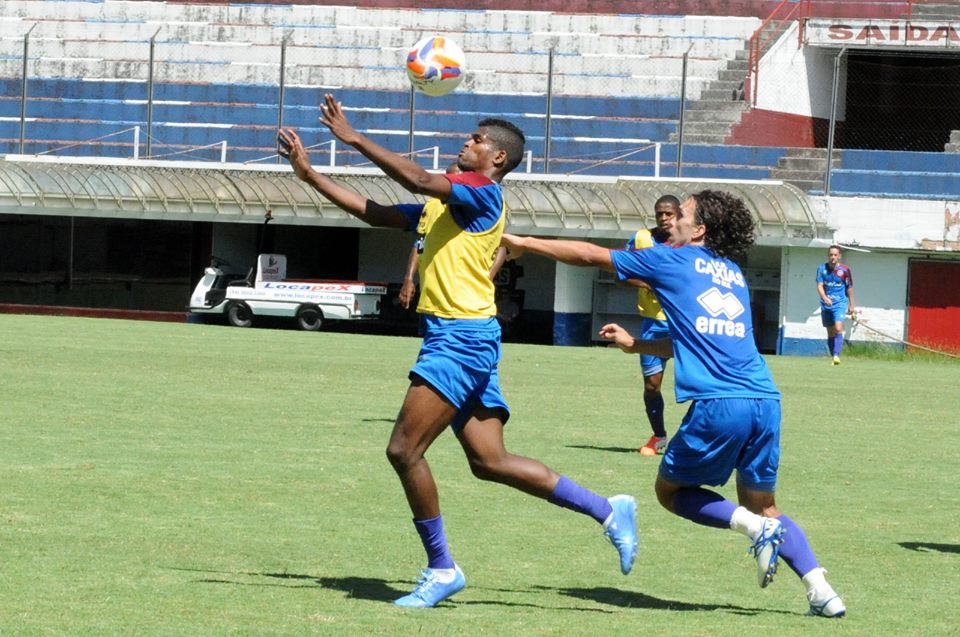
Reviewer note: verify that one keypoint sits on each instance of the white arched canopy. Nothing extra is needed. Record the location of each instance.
(549, 205)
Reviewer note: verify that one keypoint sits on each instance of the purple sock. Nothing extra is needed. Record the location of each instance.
(571, 495)
(704, 507)
(434, 542)
(838, 344)
(795, 550)
(654, 407)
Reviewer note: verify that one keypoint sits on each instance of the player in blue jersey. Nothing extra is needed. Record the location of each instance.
(733, 423)
(454, 381)
(653, 325)
(835, 288)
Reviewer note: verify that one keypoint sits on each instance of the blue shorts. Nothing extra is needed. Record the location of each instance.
(719, 435)
(459, 358)
(833, 314)
(650, 329)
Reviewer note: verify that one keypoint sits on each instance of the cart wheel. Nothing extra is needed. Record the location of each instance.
(309, 318)
(239, 315)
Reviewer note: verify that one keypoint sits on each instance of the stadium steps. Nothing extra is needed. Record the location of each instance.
(723, 102)
(710, 119)
(804, 167)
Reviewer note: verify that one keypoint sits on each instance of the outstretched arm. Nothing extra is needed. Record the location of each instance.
(402, 170)
(569, 252)
(367, 210)
(662, 347)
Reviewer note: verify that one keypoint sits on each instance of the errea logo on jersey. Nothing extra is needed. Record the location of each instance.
(722, 275)
(718, 304)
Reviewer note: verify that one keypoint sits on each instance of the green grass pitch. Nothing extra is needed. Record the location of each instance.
(175, 479)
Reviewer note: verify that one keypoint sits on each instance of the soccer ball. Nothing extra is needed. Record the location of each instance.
(435, 65)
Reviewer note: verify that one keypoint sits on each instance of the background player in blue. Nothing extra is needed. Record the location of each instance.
(733, 422)
(455, 381)
(835, 288)
(653, 325)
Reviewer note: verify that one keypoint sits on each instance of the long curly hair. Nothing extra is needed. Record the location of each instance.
(730, 227)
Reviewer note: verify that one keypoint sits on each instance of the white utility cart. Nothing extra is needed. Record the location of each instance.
(270, 293)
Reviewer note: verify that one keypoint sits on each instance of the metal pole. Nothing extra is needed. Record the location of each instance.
(153, 44)
(283, 67)
(136, 142)
(413, 109)
(833, 119)
(23, 87)
(683, 108)
(547, 133)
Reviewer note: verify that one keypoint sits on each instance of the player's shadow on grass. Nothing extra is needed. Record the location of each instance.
(377, 590)
(926, 547)
(633, 599)
(610, 449)
(355, 587)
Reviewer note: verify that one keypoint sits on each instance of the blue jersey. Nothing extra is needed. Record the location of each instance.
(708, 307)
(836, 282)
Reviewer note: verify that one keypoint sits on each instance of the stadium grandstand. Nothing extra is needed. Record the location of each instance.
(138, 139)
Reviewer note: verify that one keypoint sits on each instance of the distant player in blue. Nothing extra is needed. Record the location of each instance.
(835, 288)
(733, 422)
(455, 381)
(653, 325)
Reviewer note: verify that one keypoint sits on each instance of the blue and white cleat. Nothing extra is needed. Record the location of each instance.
(825, 602)
(430, 591)
(621, 529)
(766, 548)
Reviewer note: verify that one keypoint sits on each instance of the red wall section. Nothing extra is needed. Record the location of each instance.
(771, 128)
(934, 304)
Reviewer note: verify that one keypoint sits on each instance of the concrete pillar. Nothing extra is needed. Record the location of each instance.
(573, 305)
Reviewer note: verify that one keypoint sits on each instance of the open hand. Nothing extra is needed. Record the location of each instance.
(291, 149)
(331, 116)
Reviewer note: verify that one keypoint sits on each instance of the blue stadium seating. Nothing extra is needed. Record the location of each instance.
(589, 135)
(902, 174)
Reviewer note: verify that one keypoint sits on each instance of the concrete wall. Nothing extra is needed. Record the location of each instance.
(880, 284)
(882, 235)
(792, 79)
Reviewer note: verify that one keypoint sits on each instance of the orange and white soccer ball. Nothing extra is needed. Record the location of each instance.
(435, 65)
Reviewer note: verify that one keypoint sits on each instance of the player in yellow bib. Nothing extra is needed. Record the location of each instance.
(455, 380)
(654, 325)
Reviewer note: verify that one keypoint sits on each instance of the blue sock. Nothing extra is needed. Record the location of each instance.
(654, 408)
(838, 344)
(795, 549)
(704, 507)
(434, 542)
(570, 495)
(830, 342)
